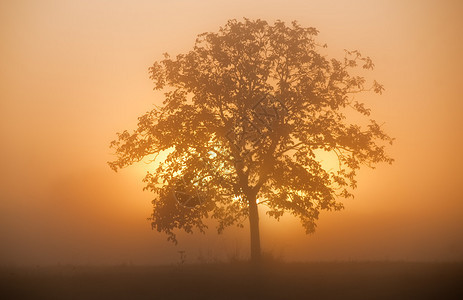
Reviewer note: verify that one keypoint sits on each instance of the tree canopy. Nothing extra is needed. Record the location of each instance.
(246, 114)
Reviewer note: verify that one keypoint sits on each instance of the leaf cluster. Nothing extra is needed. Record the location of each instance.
(246, 114)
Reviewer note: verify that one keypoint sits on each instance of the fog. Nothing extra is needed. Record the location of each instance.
(74, 73)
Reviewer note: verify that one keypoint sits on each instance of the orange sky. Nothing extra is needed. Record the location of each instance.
(73, 73)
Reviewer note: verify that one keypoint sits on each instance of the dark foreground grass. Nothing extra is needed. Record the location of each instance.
(353, 280)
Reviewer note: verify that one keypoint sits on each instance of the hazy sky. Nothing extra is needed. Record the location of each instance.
(73, 73)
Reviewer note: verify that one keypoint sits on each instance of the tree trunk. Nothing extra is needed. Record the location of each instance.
(254, 226)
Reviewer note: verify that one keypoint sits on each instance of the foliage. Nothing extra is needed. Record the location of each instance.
(246, 115)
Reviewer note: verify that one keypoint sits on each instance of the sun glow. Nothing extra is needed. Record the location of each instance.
(328, 160)
(237, 198)
(150, 163)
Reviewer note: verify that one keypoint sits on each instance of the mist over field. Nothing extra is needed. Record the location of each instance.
(75, 73)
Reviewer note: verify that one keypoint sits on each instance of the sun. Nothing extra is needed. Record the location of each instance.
(150, 163)
(328, 160)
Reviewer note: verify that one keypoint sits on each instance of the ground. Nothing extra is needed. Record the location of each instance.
(334, 280)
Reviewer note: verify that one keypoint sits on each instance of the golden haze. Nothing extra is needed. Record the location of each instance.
(73, 73)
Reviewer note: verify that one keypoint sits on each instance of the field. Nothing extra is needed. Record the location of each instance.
(334, 280)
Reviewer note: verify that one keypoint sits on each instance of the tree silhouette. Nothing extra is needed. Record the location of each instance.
(247, 114)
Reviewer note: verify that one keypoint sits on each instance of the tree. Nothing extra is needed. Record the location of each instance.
(247, 114)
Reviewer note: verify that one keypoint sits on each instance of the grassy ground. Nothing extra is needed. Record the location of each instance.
(353, 280)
